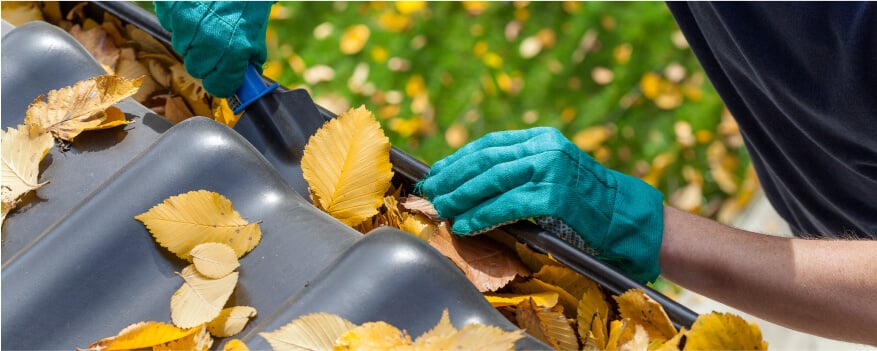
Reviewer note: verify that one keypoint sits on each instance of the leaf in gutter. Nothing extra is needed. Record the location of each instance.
(489, 266)
(347, 166)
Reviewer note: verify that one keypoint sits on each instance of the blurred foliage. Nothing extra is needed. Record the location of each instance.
(617, 78)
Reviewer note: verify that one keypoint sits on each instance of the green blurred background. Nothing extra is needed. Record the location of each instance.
(617, 78)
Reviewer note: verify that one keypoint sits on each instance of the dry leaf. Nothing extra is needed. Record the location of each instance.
(372, 336)
(419, 225)
(231, 321)
(191, 90)
(312, 332)
(224, 114)
(23, 149)
(199, 341)
(534, 285)
(592, 314)
(214, 260)
(485, 338)
(420, 205)
(723, 331)
(131, 69)
(142, 335)
(200, 299)
(639, 342)
(145, 41)
(175, 109)
(439, 337)
(21, 12)
(235, 345)
(547, 325)
(567, 279)
(113, 117)
(642, 310)
(673, 343)
(100, 46)
(532, 259)
(543, 299)
(347, 166)
(182, 222)
(74, 109)
(620, 332)
(593, 334)
(488, 265)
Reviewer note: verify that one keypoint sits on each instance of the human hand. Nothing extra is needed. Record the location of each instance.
(217, 39)
(538, 173)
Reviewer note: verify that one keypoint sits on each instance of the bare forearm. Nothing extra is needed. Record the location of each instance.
(822, 287)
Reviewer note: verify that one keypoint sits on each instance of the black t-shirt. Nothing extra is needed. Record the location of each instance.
(801, 81)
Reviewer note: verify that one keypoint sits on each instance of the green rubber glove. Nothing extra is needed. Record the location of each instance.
(217, 39)
(538, 173)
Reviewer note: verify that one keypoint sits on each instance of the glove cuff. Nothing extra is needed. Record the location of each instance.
(636, 229)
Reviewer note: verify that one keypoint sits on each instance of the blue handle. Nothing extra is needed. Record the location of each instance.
(252, 89)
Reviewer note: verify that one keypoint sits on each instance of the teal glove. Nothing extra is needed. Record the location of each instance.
(217, 39)
(538, 173)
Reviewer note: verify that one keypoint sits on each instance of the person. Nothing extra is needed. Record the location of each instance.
(799, 79)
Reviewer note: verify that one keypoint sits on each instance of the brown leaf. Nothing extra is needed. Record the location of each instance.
(175, 109)
(100, 45)
(71, 110)
(420, 205)
(547, 325)
(642, 310)
(488, 265)
(191, 90)
(133, 69)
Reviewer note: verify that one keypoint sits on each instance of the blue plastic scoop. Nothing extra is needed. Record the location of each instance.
(252, 89)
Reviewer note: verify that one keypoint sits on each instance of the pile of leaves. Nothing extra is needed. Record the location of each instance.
(346, 164)
(127, 51)
(63, 115)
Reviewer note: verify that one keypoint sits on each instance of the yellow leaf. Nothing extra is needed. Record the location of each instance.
(543, 299)
(23, 149)
(347, 166)
(200, 299)
(198, 341)
(235, 345)
(142, 335)
(673, 343)
(182, 222)
(547, 325)
(592, 314)
(642, 310)
(18, 13)
(175, 109)
(315, 332)
(354, 39)
(485, 338)
(113, 117)
(487, 264)
(723, 331)
(595, 336)
(231, 321)
(132, 69)
(214, 260)
(190, 89)
(409, 7)
(74, 109)
(567, 279)
(223, 114)
(534, 285)
(439, 337)
(620, 332)
(419, 225)
(532, 259)
(372, 336)
(639, 342)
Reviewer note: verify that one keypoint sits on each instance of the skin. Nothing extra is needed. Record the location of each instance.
(822, 287)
